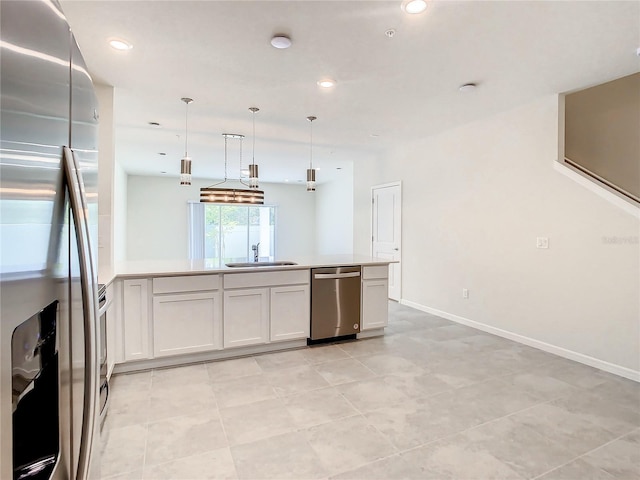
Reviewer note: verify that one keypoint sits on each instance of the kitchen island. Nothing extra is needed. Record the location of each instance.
(169, 313)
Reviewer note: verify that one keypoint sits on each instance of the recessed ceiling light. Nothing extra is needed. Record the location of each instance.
(467, 87)
(163, 172)
(414, 6)
(162, 153)
(374, 135)
(286, 180)
(120, 44)
(327, 82)
(154, 124)
(280, 41)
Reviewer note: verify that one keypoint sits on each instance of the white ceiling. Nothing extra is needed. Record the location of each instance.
(399, 88)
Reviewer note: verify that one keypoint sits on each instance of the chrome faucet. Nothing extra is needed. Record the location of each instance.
(256, 255)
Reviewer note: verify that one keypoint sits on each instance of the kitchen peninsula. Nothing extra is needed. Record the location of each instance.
(169, 313)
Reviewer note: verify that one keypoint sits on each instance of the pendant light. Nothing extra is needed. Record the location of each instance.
(216, 194)
(185, 163)
(311, 173)
(253, 168)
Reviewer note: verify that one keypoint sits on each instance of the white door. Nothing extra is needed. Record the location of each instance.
(386, 213)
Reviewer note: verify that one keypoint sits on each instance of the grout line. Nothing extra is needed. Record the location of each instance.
(451, 390)
(587, 453)
(446, 437)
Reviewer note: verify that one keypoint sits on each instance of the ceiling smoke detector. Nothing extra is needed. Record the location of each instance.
(390, 33)
(281, 41)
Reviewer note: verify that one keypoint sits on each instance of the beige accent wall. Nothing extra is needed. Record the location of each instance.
(475, 199)
(602, 131)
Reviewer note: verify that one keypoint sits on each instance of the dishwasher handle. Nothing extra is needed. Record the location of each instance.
(327, 276)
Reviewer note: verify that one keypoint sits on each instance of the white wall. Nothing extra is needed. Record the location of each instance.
(120, 213)
(334, 214)
(106, 160)
(157, 218)
(474, 200)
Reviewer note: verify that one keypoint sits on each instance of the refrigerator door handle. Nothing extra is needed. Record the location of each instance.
(75, 185)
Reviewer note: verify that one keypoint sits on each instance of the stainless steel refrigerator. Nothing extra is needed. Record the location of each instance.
(48, 248)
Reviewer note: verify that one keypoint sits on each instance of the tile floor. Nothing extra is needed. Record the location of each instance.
(429, 400)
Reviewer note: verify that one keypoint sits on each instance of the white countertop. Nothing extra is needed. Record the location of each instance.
(143, 268)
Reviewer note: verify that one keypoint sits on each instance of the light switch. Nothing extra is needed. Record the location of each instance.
(542, 242)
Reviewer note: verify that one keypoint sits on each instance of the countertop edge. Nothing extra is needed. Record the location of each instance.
(202, 270)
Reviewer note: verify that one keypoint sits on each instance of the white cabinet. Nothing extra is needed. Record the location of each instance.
(264, 307)
(375, 297)
(246, 317)
(186, 323)
(135, 319)
(187, 315)
(112, 319)
(289, 312)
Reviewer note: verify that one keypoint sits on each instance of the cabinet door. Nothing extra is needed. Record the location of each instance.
(186, 323)
(290, 312)
(246, 317)
(112, 320)
(135, 321)
(375, 303)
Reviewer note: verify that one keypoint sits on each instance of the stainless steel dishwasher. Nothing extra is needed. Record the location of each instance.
(335, 302)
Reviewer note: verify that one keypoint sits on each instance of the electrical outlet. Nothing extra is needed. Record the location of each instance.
(542, 242)
(465, 293)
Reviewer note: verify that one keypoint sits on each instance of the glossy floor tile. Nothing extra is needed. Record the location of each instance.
(429, 400)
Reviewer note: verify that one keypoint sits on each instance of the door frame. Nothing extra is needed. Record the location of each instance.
(375, 187)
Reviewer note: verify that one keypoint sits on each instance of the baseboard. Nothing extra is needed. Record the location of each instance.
(376, 332)
(191, 358)
(532, 342)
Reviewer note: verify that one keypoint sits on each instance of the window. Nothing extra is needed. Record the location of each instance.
(226, 233)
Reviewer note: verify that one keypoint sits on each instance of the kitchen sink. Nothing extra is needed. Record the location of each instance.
(259, 264)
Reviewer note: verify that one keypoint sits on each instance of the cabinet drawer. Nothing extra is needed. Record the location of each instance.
(266, 279)
(377, 271)
(187, 283)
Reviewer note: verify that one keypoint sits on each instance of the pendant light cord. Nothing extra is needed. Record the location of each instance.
(226, 148)
(311, 144)
(186, 130)
(253, 153)
(225, 158)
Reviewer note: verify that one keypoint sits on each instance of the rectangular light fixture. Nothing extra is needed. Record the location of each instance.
(231, 195)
